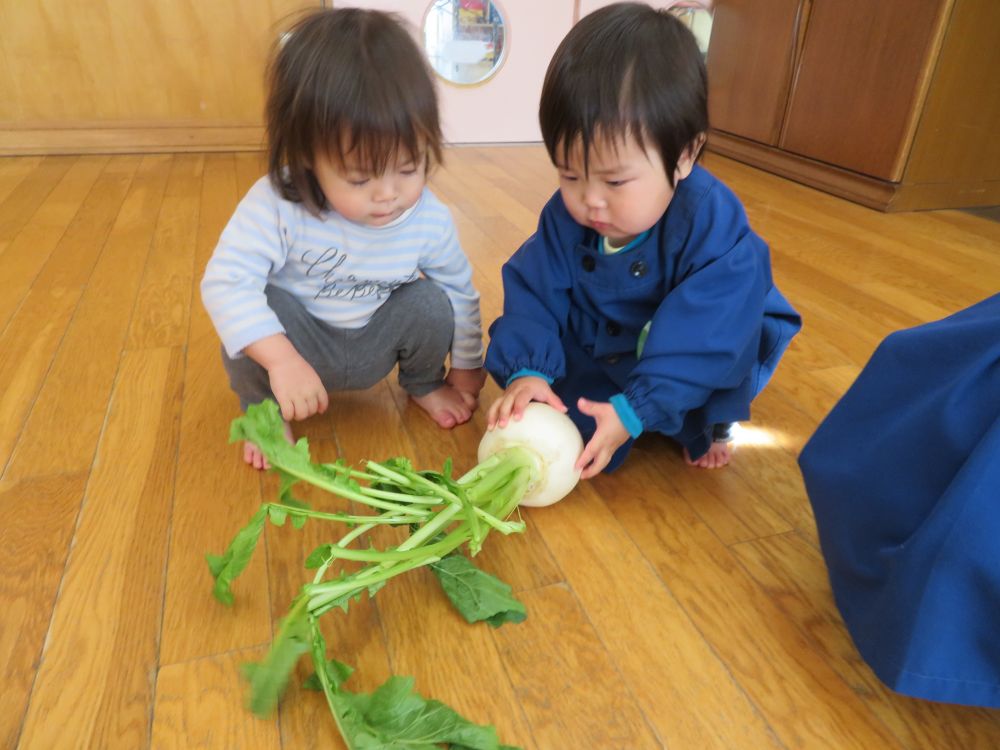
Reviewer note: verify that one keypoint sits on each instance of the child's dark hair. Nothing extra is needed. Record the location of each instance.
(346, 81)
(625, 69)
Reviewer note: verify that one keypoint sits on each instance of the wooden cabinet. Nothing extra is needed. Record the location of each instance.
(894, 104)
(749, 80)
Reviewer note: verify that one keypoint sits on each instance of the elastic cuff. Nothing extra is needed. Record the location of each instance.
(626, 414)
(524, 372)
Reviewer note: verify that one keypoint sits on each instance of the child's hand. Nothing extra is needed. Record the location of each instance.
(518, 395)
(297, 388)
(609, 436)
(467, 382)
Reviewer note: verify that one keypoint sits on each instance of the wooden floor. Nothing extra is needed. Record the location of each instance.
(668, 607)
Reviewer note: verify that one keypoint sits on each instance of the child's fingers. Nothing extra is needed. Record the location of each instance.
(507, 408)
(521, 402)
(596, 466)
(589, 452)
(491, 415)
(554, 401)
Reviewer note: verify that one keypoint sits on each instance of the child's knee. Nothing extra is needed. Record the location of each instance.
(425, 314)
(431, 305)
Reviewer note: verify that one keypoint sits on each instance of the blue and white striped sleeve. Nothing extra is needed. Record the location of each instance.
(447, 265)
(232, 289)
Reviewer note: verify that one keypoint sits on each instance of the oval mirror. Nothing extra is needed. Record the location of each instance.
(465, 40)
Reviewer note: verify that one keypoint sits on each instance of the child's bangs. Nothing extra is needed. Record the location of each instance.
(598, 113)
(374, 151)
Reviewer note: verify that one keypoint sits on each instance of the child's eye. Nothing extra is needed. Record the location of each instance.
(359, 183)
(410, 171)
(568, 177)
(616, 183)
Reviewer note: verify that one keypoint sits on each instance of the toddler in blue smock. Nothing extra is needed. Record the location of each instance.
(644, 301)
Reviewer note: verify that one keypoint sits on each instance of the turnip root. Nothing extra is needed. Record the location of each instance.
(554, 443)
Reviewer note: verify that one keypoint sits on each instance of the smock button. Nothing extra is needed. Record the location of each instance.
(588, 263)
(613, 328)
(612, 360)
(638, 269)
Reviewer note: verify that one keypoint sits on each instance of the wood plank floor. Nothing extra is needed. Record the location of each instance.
(668, 607)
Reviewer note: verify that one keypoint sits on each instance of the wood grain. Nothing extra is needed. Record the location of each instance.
(750, 80)
(116, 62)
(161, 316)
(956, 138)
(861, 82)
(215, 494)
(40, 517)
(792, 572)
(667, 607)
(197, 706)
(78, 384)
(782, 670)
(577, 678)
(102, 644)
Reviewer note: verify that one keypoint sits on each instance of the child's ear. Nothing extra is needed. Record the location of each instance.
(689, 157)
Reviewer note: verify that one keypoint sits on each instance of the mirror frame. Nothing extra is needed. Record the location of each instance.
(504, 53)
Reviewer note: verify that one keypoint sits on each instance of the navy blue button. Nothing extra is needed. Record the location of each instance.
(589, 263)
(638, 269)
(612, 360)
(612, 328)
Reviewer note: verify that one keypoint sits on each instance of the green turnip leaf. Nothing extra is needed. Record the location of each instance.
(477, 595)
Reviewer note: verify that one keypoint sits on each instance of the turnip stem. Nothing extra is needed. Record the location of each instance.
(328, 592)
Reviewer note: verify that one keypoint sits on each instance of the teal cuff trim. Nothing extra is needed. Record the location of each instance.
(627, 414)
(524, 372)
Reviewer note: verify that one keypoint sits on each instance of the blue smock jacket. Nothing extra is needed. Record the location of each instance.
(904, 480)
(700, 276)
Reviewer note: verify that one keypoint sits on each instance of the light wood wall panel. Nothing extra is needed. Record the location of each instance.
(958, 139)
(99, 73)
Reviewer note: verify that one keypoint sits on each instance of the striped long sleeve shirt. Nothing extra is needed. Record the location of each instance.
(342, 272)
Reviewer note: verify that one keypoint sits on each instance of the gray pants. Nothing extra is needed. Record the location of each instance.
(413, 328)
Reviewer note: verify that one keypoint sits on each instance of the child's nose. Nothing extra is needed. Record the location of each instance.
(385, 190)
(593, 197)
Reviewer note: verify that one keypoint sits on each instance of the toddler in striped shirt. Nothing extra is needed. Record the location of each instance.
(340, 264)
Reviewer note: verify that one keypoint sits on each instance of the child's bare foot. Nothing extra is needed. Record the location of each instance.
(447, 406)
(253, 456)
(718, 456)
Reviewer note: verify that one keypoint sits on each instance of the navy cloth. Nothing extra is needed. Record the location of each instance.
(904, 480)
(701, 277)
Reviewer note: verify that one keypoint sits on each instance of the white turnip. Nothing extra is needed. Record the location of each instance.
(553, 442)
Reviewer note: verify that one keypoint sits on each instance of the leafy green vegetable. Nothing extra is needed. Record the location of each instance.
(227, 566)
(394, 716)
(442, 513)
(476, 594)
(269, 677)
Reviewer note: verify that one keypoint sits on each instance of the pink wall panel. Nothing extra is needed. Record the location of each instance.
(504, 109)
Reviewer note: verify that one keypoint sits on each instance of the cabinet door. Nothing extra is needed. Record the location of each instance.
(750, 61)
(861, 79)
